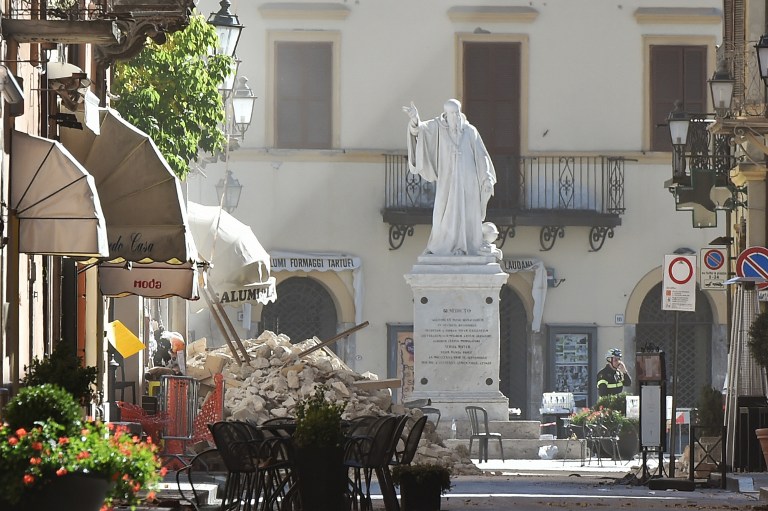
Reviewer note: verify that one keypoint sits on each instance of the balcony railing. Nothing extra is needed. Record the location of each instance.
(550, 192)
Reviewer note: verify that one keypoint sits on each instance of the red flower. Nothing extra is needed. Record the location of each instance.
(13, 440)
(163, 471)
(136, 487)
(21, 432)
(37, 446)
(62, 471)
(63, 440)
(28, 479)
(35, 461)
(84, 432)
(83, 455)
(151, 496)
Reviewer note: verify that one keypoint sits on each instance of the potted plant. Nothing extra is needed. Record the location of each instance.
(48, 455)
(609, 412)
(421, 485)
(319, 454)
(63, 368)
(758, 346)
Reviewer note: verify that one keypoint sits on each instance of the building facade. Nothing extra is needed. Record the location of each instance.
(571, 99)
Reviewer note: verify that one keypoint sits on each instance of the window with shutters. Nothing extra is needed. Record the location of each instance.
(492, 102)
(303, 110)
(677, 73)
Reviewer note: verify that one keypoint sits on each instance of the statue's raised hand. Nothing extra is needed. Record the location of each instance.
(412, 112)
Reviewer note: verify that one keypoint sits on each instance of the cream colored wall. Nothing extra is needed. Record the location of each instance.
(584, 93)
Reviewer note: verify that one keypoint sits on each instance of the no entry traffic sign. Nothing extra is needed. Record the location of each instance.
(753, 262)
(679, 284)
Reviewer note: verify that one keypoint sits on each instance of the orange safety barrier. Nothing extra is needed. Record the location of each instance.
(151, 424)
(211, 412)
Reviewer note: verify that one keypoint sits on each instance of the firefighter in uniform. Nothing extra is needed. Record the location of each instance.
(614, 376)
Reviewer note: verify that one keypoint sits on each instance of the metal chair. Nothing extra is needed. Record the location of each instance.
(430, 411)
(575, 433)
(369, 451)
(406, 455)
(478, 421)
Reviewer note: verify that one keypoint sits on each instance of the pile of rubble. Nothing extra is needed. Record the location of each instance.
(276, 378)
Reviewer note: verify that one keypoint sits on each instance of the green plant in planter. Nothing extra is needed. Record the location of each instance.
(318, 421)
(42, 403)
(63, 368)
(423, 473)
(710, 415)
(39, 446)
(758, 339)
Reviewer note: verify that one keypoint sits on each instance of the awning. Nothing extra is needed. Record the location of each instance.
(141, 196)
(55, 200)
(152, 280)
(240, 267)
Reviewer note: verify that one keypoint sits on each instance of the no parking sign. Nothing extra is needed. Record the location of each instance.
(713, 272)
(679, 284)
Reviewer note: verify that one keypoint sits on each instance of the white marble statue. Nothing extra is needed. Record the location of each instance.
(449, 150)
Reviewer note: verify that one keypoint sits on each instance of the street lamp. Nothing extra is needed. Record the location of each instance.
(762, 57)
(678, 122)
(243, 102)
(227, 27)
(228, 190)
(721, 88)
(229, 81)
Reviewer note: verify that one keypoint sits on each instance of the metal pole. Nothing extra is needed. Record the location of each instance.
(672, 421)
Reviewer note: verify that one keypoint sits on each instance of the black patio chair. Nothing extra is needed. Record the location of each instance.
(368, 450)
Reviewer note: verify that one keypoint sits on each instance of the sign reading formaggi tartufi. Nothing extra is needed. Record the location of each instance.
(313, 262)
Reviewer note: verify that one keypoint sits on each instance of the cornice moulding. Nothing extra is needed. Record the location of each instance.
(296, 10)
(492, 13)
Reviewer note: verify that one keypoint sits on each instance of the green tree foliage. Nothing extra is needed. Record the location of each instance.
(170, 92)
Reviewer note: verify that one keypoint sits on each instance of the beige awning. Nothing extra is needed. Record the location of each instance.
(140, 194)
(152, 280)
(55, 200)
(240, 267)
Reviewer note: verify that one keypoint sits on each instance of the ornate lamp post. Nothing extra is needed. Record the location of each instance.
(228, 189)
(228, 28)
(762, 57)
(243, 102)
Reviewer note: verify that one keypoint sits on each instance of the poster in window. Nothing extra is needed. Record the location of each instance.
(400, 363)
(572, 365)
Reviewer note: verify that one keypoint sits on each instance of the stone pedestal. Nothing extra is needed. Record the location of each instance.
(456, 333)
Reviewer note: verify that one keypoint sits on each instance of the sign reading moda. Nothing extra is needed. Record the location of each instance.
(679, 284)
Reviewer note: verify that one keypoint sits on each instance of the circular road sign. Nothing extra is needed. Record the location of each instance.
(713, 259)
(680, 273)
(753, 262)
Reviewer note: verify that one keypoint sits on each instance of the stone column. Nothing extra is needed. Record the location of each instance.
(456, 333)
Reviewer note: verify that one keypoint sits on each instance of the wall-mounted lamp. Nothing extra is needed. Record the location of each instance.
(228, 190)
(762, 57)
(227, 27)
(69, 82)
(243, 101)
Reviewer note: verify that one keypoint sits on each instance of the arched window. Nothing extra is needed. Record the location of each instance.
(303, 309)
(694, 348)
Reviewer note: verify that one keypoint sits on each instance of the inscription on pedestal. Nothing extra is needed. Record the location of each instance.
(456, 337)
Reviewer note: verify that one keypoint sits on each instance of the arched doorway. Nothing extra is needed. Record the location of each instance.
(694, 348)
(302, 310)
(513, 362)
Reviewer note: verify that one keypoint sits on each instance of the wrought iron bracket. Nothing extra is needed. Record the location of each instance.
(397, 234)
(597, 237)
(548, 236)
(505, 231)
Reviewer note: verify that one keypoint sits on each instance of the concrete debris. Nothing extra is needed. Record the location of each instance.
(276, 379)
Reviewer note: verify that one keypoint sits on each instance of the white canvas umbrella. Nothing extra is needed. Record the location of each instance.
(240, 267)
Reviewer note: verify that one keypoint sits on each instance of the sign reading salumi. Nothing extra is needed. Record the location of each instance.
(260, 294)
